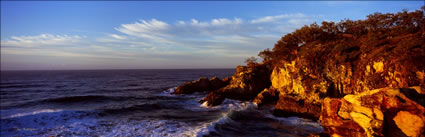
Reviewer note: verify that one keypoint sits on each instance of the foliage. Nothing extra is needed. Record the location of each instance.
(251, 61)
(347, 35)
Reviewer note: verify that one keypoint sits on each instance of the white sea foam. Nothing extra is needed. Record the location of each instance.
(171, 90)
(47, 123)
(168, 92)
(230, 106)
(205, 104)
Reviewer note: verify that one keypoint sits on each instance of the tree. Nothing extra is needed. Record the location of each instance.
(251, 61)
(377, 30)
(266, 55)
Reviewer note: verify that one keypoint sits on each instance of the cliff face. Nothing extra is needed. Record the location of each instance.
(331, 71)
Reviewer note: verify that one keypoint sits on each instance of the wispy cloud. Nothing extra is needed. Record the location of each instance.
(153, 29)
(195, 35)
(275, 18)
(118, 36)
(41, 40)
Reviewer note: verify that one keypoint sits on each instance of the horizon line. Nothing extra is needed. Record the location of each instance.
(1, 70)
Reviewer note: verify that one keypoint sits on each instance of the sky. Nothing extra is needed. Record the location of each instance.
(69, 35)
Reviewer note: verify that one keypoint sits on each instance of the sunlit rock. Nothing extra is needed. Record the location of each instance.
(412, 125)
(380, 112)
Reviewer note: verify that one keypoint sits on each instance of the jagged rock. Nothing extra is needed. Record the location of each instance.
(216, 83)
(267, 96)
(246, 83)
(213, 98)
(202, 84)
(380, 112)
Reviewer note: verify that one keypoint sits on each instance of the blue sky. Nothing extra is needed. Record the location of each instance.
(159, 35)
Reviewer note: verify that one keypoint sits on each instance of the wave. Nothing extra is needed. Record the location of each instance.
(58, 100)
(89, 99)
(21, 86)
(49, 122)
(93, 98)
(229, 119)
(32, 113)
(77, 98)
(231, 106)
(301, 123)
(132, 109)
(168, 92)
(245, 118)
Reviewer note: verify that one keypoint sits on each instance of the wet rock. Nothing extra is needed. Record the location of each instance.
(380, 112)
(202, 84)
(213, 98)
(245, 84)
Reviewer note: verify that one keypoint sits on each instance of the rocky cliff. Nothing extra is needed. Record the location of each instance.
(360, 78)
(335, 74)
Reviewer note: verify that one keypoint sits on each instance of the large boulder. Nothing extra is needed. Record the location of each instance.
(202, 84)
(380, 112)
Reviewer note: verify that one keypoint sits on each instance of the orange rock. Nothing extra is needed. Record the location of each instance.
(367, 113)
(411, 125)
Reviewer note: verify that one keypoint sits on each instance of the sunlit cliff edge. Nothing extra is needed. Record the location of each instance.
(357, 78)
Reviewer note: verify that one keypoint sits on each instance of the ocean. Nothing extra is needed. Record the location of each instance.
(130, 103)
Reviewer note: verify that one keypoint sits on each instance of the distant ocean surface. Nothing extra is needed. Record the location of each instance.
(129, 103)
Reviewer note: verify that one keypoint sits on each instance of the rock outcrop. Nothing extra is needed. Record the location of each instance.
(379, 112)
(246, 83)
(327, 70)
(202, 84)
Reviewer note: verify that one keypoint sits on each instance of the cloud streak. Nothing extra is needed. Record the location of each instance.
(41, 40)
(268, 19)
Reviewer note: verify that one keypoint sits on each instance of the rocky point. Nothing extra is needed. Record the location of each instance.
(357, 78)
